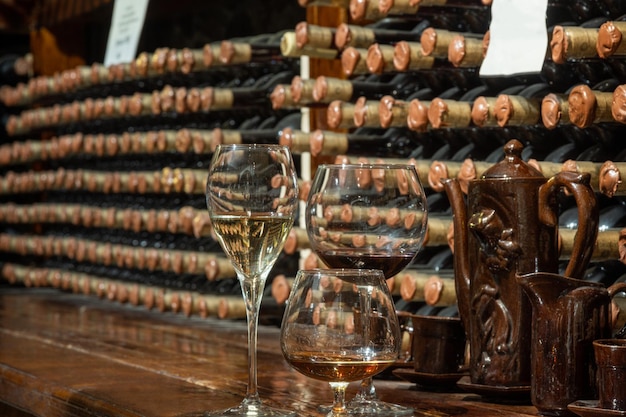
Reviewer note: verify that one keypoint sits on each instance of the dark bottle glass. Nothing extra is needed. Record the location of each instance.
(393, 142)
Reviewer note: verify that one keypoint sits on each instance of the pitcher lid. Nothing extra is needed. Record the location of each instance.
(512, 166)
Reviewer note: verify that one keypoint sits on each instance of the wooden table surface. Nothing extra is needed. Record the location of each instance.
(70, 355)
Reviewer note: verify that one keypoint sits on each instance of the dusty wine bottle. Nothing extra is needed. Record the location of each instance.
(409, 57)
(328, 89)
(394, 142)
(243, 53)
(366, 113)
(314, 36)
(573, 42)
(587, 106)
(362, 37)
(435, 42)
(340, 115)
(325, 3)
(361, 10)
(257, 96)
(15, 68)
(353, 61)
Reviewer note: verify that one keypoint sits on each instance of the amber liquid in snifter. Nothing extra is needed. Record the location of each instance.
(338, 368)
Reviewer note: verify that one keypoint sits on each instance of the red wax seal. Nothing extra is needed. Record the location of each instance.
(438, 171)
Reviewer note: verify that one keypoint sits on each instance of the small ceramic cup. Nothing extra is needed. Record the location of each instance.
(438, 344)
(610, 357)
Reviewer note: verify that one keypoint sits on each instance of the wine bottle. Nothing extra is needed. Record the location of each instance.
(417, 117)
(302, 90)
(435, 42)
(289, 47)
(390, 4)
(612, 216)
(314, 36)
(466, 52)
(257, 96)
(519, 109)
(393, 142)
(574, 42)
(449, 113)
(296, 140)
(392, 112)
(281, 97)
(379, 58)
(230, 137)
(366, 113)
(586, 106)
(362, 37)
(363, 10)
(327, 89)
(434, 288)
(340, 115)
(606, 272)
(554, 110)
(325, 3)
(584, 10)
(232, 53)
(354, 61)
(15, 69)
(576, 49)
(408, 56)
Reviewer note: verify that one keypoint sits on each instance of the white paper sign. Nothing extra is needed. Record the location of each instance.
(126, 26)
(519, 38)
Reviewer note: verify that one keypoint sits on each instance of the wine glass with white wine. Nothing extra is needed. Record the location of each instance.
(367, 216)
(252, 197)
(340, 326)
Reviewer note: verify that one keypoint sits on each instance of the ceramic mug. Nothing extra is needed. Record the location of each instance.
(438, 344)
(610, 357)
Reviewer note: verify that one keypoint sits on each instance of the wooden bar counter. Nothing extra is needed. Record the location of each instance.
(65, 355)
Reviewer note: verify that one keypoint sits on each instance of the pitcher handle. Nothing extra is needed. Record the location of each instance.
(588, 216)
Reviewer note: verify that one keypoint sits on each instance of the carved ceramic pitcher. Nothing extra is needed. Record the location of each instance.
(512, 216)
(568, 315)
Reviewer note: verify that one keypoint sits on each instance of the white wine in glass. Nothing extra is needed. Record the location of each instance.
(251, 195)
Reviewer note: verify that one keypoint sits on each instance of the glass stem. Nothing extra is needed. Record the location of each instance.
(252, 290)
(368, 391)
(339, 402)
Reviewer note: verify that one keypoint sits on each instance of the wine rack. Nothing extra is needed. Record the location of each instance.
(102, 169)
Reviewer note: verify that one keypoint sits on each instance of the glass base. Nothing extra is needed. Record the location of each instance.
(370, 408)
(251, 410)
